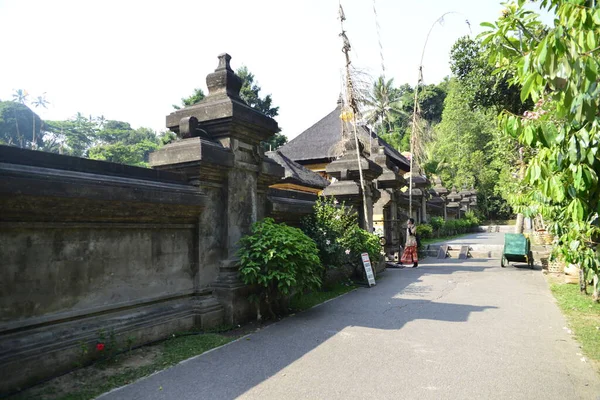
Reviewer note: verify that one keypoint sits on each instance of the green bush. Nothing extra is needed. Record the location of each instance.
(278, 259)
(357, 241)
(328, 224)
(472, 218)
(340, 240)
(436, 223)
(425, 231)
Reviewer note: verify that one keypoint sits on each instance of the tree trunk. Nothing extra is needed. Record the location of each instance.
(519, 224)
(33, 146)
(595, 294)
(582, 282)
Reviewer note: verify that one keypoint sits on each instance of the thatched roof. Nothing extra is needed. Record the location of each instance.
(318, 143)
(296, 173)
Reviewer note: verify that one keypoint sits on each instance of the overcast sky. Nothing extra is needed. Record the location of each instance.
(131, 60)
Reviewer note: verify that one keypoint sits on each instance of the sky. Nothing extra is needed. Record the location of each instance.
(130, 60)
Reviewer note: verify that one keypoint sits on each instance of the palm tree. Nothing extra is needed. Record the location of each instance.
(40, 101)
(100, 121)
(383, 105)
(20, 96)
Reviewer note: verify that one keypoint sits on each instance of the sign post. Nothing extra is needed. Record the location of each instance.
(368, 269)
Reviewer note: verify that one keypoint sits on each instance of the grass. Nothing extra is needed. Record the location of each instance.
(305, 301)
(90, 382)
(583, 315)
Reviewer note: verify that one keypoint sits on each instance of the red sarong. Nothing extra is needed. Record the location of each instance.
(410, 255)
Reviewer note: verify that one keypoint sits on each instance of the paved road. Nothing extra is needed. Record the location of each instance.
(458, 330)
(481, 238)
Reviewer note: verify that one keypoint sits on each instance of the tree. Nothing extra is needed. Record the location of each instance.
(20, 96)
(194, 98)
(132, 154)
(384, 106)
(15, 120)
(558, 69)
(40, 101)
(250, 93)
(117, 142)
(465, 150)
(431, 102)
(73, 137)
(469, 64)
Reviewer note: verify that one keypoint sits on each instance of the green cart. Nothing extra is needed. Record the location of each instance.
(517, 248)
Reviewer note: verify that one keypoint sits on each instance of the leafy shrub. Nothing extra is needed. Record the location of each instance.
(472, 218)
(436, 223)
(340, 240)
(359, 241)
(278, 259)
(326, 226)
(425, 231)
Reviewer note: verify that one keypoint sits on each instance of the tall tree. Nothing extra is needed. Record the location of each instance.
(558, 68)
(20, 96)
(15, 121)
(118, 142)
(194, 98)
(40, 101)
(464, 150)
(383, 106)
(469, 64)
(250, 93)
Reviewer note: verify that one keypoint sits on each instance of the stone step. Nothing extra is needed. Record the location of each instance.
(485, 251)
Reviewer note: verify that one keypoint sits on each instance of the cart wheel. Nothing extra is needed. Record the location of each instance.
(531, 259)
(503, 262)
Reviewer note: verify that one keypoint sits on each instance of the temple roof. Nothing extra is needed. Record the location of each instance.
(296, 173)
(318, 143)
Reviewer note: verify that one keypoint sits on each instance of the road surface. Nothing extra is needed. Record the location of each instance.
(449, 330)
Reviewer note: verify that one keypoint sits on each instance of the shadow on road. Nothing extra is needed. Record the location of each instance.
(231, 371)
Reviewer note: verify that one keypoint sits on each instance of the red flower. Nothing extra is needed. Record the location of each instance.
(100, 346)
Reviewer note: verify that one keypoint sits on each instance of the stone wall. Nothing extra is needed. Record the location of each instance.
(90, 249)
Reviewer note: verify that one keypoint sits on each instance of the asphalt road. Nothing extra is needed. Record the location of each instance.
(457, 330)
(480, 238)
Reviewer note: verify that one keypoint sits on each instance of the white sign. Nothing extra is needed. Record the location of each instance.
(368, 268)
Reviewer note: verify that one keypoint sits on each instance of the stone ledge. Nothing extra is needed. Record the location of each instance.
(30, 356)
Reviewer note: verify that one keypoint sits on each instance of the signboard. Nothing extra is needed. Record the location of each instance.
(368, 268)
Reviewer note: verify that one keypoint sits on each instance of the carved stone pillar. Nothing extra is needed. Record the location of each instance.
(347, 187)
(387, 183)
(221, 150)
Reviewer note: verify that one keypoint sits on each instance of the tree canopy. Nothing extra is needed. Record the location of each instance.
(558, 69)
(17, 125)
(250, 93)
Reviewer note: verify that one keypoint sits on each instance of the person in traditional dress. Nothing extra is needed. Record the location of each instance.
(410, 250)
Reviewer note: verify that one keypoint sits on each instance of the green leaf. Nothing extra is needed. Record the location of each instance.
(591, 71)
(528, 135)
(526, 63)
(549, 133)
(591, 40)
(527, 87)
(573, 150)
(574, 245)
(596, 17)
(541, 59)
(488, 25)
